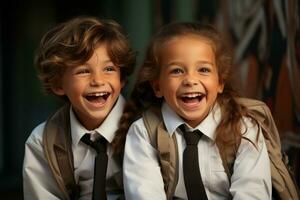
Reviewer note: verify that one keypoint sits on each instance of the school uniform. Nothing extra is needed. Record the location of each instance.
(38, 181)
(142, 174)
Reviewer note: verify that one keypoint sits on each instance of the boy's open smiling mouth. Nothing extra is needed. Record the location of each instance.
(97, 97)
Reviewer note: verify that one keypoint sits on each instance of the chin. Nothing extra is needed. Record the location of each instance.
(194, 118)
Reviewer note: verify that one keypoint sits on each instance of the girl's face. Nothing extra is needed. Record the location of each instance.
(188, 78)
(92, 88)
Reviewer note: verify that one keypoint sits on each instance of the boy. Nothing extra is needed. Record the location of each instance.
(85, 61)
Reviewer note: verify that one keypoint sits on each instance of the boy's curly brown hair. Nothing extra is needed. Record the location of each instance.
(73, 42)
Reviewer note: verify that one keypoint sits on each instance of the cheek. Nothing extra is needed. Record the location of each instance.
(74, 88)
(115, 79)
(172, 85)
(214, 84)
(169, 89)
(214, 92)
(116, 85)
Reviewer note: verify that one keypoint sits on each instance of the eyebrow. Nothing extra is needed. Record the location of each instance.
(173, 63)
(206, 62)
(104, 62)
(180, 63)
(108, 61)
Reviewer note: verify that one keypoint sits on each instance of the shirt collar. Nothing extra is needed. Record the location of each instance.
(171, 119)
(108, 127)
(208, 126)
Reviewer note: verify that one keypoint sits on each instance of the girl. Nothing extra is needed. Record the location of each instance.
(186, 74)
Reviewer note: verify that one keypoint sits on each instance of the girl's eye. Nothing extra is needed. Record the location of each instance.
(176, 71)
(204, 69)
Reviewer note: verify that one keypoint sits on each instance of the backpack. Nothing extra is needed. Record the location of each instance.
(283, 184)
(57, 144)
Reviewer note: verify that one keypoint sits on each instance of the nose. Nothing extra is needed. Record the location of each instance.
(97, 80)
(190, 80)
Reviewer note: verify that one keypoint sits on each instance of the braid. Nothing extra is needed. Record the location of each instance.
(229, 129)
(131, 113)
(231, 118)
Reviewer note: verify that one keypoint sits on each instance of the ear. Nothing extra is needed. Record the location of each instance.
(156, 88)
(221, 88)
(58, 90)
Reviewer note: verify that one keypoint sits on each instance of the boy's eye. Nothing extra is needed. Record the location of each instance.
(110, 68)
(176, 71)
(82, 71)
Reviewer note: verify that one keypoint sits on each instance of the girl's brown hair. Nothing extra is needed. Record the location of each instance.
(229, 129)
(72, 43)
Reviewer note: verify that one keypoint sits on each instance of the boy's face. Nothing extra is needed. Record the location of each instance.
(188, 78)
(92, 88)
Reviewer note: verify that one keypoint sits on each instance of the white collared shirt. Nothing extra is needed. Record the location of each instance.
(38, 182)
(141, 169)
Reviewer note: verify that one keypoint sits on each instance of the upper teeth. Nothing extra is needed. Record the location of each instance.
(98, 94)
(191, 95)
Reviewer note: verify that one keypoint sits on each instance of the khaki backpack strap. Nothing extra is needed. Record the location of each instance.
(151, 121)
(228, 156)
(228, 153)
(58, 151)
(282, 182)
(166, 146)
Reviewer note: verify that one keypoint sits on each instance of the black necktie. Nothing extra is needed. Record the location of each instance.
(100, 166)
(192, 177)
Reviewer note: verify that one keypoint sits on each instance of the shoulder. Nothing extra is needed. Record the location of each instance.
(137, 125)
(252, 103)
(252, 133)
(34, 143)
(258, 109)
(249, 126)
(36, 136)
(138, 129)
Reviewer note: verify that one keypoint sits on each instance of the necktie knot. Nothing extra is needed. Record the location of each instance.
(191, 137)
(99, 145)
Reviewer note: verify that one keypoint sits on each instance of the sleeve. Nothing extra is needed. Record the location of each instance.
(251, 178)
(141, 169)
(38, 181)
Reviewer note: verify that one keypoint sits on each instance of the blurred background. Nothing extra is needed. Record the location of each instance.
(264, 35)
